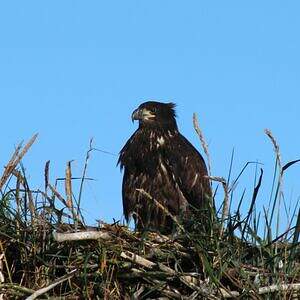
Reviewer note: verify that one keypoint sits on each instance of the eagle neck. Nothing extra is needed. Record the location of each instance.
(159, 131)
(169, 127)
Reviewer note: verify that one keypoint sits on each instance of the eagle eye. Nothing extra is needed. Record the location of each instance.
(153, 110)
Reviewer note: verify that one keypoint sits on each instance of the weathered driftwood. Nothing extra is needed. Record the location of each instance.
(279, 287)
(82, 235)
(276, 288)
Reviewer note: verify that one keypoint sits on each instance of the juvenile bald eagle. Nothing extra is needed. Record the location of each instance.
(160, 161)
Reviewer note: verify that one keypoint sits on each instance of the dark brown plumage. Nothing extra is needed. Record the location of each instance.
(163, 163)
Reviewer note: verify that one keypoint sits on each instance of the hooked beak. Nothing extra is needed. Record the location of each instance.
(142, 114)
(137, 115)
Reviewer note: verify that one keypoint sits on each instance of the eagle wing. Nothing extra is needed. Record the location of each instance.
(188, 169)
(133, 175)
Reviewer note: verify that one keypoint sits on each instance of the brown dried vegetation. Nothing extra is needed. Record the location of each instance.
(47, 250)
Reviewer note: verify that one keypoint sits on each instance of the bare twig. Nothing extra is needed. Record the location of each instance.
(5, 262)
(226, 199)
(265, 290)
(202, 140)
(87, 158)
(16, 287)
(138, 259)
(51, 286)
(61, 198)
(279, 287)
(229, 294)
(82, 235)
(58, 195)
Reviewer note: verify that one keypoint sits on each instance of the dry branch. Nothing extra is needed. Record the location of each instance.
(51, 286)
(137, 259)
(279, 288)
(225, 211)
(81, 236)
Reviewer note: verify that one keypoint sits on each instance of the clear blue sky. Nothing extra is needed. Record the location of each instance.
(72, 70)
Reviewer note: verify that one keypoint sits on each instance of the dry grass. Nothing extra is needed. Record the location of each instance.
(47, 251)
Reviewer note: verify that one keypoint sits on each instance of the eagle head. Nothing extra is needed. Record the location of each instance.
(155, 114)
